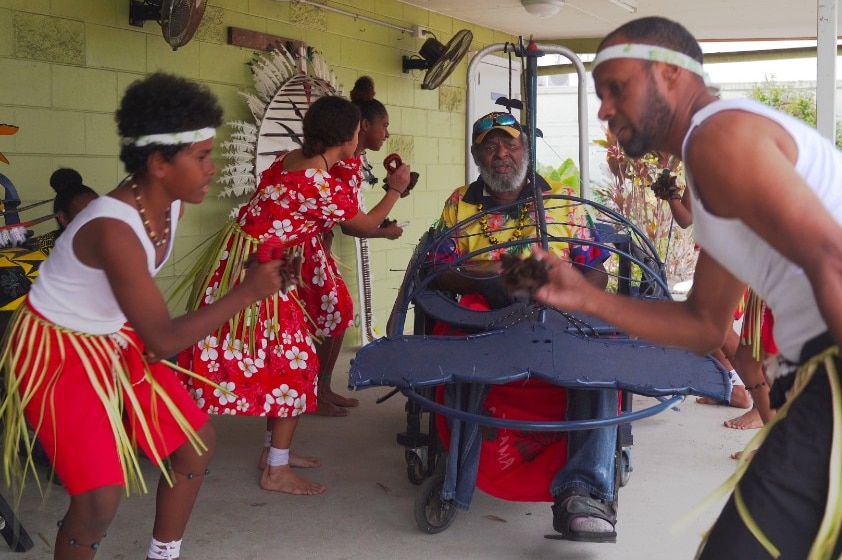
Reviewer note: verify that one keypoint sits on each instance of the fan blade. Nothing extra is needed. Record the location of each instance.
(456, 49)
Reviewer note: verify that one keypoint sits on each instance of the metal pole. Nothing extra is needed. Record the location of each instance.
(826, 68)
(584, 140)
(531, 53)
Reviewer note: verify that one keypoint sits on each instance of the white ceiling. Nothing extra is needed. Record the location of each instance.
(706, 19)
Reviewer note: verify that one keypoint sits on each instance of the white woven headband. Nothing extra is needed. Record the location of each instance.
(651, 53)
(171, 138)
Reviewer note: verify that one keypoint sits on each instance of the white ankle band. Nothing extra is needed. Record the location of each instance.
(735, 379)
(164, 551)
(277, 457)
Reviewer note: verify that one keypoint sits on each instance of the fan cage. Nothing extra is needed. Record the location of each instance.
(180, 19)
(454, 52)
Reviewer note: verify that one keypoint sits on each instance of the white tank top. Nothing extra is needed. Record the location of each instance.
(781, 283)
(78, 297)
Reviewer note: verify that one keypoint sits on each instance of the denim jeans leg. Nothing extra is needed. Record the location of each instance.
(590, 453)
(465, 443)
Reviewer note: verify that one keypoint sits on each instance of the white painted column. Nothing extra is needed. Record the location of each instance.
(826, 68)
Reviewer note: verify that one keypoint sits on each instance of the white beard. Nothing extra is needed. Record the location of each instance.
(507, 182)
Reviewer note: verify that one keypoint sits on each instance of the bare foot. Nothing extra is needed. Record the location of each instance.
(737, 455)
(303, 462)
(283, 479)
(739, 398)
(327, 408)
(748, 421)
(295, 460)
(708, 400)
(338, 400)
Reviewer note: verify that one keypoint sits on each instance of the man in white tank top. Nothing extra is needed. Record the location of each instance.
(767, 207)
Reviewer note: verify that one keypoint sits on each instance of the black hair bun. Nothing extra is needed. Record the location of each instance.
(65, 178)
(363, 90)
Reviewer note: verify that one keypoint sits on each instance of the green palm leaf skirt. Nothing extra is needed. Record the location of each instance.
(33, 357)
(221, 266)
(831, 524)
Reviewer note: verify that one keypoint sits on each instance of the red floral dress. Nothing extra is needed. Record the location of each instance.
(322, 290)
(262, 362)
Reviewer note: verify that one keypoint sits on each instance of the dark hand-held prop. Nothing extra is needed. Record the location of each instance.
(392, 163)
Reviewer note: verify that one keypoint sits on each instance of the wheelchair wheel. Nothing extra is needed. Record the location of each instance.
(625, 467)
(416, 470)
(432, 514)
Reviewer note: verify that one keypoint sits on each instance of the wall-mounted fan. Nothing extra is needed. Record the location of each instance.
(179, 19)
(439, 60)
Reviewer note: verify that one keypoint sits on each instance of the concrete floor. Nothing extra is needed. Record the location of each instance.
(367, 511)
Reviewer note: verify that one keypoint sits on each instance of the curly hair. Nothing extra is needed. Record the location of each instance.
(330, 121)
(163, 103)
(65, 178)
(362, 95)
(64, 199)
(657, 31)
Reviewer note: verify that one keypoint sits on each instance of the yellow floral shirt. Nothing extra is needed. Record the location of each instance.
(565, 219)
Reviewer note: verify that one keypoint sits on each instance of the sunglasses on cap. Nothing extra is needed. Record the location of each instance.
(494, 120)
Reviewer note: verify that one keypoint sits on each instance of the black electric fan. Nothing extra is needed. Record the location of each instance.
(179, 19)
(439, 60)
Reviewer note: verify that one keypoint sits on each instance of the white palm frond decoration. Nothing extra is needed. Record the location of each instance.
(237, 148)
(256, 105)
(245, 128)
(235, 211)
(282, 93)
(240, 158)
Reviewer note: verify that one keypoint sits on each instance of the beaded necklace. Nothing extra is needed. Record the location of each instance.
(523, 216)
(165, 235)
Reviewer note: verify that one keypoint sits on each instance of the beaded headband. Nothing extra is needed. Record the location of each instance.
(652, 53)
(170, 138)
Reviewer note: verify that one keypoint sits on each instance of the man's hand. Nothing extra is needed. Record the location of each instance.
(566, 288)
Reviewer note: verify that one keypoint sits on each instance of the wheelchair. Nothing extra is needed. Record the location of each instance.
(519, 343)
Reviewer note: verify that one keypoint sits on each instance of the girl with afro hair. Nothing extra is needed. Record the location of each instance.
(81, 357)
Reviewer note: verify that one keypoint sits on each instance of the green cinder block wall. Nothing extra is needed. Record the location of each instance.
(65, 63)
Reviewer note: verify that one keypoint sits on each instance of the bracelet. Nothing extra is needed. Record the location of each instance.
(391, 188)
(756, 387)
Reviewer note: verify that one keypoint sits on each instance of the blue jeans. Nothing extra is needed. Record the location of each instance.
(460, 478)
(590, 453)
(590, 458)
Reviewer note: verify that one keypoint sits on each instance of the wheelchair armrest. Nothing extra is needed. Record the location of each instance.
(438, 306)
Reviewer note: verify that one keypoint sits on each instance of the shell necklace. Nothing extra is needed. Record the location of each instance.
(165, 235)
(523, 216)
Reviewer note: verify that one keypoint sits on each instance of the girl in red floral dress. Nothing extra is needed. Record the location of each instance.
(263, 360)
(323, 292)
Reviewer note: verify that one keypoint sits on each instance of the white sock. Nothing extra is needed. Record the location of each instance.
(267, 439)
(277, 457)
(164, 551)
(735, 379)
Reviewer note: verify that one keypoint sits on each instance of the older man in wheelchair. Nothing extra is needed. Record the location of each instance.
(466, 264)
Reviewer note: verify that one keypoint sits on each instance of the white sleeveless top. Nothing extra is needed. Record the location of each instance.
(777, 280)
(78, 297)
